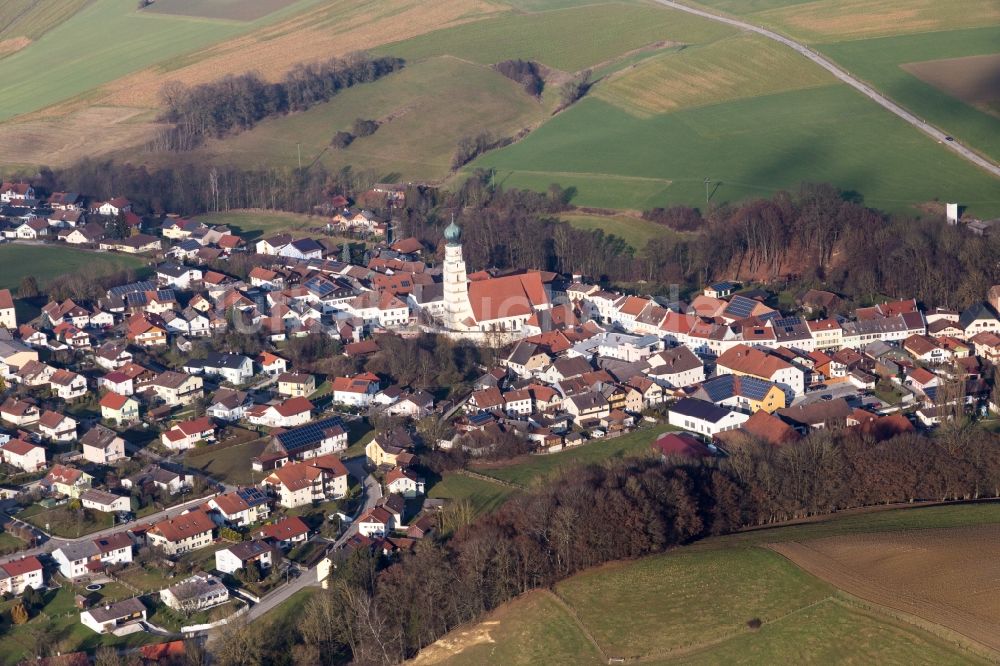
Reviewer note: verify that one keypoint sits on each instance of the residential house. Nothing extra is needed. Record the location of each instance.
(302, 443)
(744, 360)
(186, 434)
(295, 384)
(682, 444)
(107, 618)
(106, 502)
(178, 277)
(288, 414)
(818, 415)
(119, 409)
(587, 408)
(704, 417)
(272, 365)
(241, 507)
(386, 448)
(233, 368)
(284, 533)
(145, 331)
(16, 576)
(176, 388)
(242, 555)
(357, 391)
(68, 385)
(675, 367)
(401, 481)
(742, 392)
(302, 483)
(87, 557)
(23, 455)
(8, 317)
(229, 405)
(376, 522)
(117, 382)
(157, 478)
(183, 533)
(412, 404)
(67, 481)
(19, 412)
(196, 593)
(57, 427)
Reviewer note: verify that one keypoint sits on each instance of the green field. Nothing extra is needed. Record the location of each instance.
(483, 496)
(71, 59)
(568, 40)
(47, 261)
(536, 467)
(878, 61)
(230, 464)
(752, 146)
(692, 605)
(33, 18)
(738, 67)
(633, 230)
(424, 111)
(255, 224)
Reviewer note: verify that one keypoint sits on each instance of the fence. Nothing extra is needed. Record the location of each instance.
(194, 628)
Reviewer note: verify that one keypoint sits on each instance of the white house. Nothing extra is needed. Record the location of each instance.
(186, 434)
(105, 502)
(675, 368)
(403, 482)
(744, 360)
(16, 576)
(23, 455)
(376, 521)
(107, 618)
(704, 417)
(178, 277)
(183, 533)
(357, 391)
(196, 593)
(57, 427)
(242, 507)
(233, 368)
(288, 414)
(90, 556)
(240, 555)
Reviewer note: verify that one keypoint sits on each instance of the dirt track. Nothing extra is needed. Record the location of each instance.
(949, 577)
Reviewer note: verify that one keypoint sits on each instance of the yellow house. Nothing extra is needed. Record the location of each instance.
(389, 448)
(772, 400)
(295, 384)
(742, 392)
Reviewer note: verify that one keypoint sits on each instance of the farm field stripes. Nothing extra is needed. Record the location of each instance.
(569, 40)
(139, 40)
(749, 147)
(737, 67)
(835, 20)
(233, 10)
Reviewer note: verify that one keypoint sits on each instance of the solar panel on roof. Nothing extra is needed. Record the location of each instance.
(740, 307)
(788, 322)
(122, 290)
(252, 496)
(306, 435)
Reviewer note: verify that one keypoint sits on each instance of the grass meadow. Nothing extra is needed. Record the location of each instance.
(692, 606)
(45, 262)
(483, 496)
(748, 147)
(633, 230)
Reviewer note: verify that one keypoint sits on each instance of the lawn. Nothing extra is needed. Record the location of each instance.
(748, 147)
(256, 224)
(536, 467)
(688, 598)
(58, 630)
(74, 62)
(64, 522)
(483, 496)
(9, 543)
(230, 464)
(45, 262)
(879, 62)
(421, 123)
(633, 230)
(692, 605)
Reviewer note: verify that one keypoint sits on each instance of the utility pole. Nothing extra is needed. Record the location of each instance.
(299, 146)
(708, 181)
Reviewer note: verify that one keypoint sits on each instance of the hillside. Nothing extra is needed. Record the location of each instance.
(696, 604)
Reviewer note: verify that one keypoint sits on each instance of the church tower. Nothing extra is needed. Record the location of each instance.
(456, 287)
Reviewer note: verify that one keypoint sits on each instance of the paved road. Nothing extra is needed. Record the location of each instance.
(371, 493)
(842, 75)
(57, 542)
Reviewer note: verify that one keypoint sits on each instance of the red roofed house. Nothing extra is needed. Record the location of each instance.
(57, 427)
(23, 455)
(183, 533)
(67, 481)
(376, 521)
(743, 360)
(357, 391)
(17, 576)
(19, 412)
(119, 408)
(186, 434)
(288, 414)
(284, 533)
(8, 317)
(403, 482)
(301, 483)
(680, 444)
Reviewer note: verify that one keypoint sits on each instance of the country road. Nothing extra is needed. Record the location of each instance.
(842, 75)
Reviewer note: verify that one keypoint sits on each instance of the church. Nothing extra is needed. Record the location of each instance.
(483, 303)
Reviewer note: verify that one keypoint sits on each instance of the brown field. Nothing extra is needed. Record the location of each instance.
(62, 140)
(12, 45)
(332, 29)
(233, 10)
(829, 20)
(975, 80)
(947, 577)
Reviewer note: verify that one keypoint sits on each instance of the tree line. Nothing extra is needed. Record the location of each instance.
(237, 103)
(382, 614)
